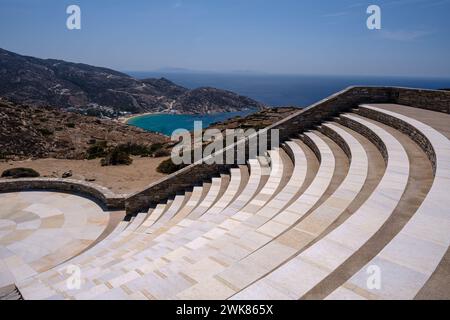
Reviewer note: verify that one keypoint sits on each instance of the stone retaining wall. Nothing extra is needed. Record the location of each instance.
(333, 135)
(367, 133)
(424, 99)
(404, 127)
(103, 196)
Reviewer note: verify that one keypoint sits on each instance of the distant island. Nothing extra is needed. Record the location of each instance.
(104, 92)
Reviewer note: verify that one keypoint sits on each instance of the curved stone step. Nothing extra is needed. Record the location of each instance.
(176, 253)
(135, 240)
(137, 227)
(198, 193)
(154, 215)
(409, 260)
(265, 259)
(229, 194)
(10, 293)
(136, 222)
(177, 204)
(193, 229)
(207, 259)
(279, 161)
(120, 244)
(302, 273)
(147, 253)
(289, 192)
(210, 199)
(255, 182)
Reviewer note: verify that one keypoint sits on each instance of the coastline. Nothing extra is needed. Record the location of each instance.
(126, 119)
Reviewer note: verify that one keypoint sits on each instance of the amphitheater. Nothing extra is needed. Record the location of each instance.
(358, 189)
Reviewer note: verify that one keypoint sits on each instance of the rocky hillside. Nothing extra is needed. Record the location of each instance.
(94, 90)
(210, 100)
(42, 132)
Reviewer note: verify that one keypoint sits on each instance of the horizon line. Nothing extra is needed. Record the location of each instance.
(265, 73)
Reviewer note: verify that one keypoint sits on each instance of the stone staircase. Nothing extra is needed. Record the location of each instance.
(366, 190)
(10, 293)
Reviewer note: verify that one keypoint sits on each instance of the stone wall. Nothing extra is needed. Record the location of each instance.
(404, 127)
(333, 135)
(425, 99)
(103, 196)
(366, 132)
(290, 127)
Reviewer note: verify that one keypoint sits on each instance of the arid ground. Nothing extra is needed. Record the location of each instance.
(119, 179)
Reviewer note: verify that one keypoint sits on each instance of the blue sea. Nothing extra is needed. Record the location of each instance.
(273, 90)
(168, 123)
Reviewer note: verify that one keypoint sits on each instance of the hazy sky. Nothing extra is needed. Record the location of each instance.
(275, 36)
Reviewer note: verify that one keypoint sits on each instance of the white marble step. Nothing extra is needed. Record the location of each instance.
(106, 252)
(306, 270)
(411, 257)
(271, 187)
(94, 269)
(136, 222)
(247, 194)
(127, 246)
(209, 200)
(193, 201)
(154, 253)
(40, 286)
(154, 215)
(269, 257)
(147, 267)
(189, 229)
(257, 238)
(178, 201)
(228, 195)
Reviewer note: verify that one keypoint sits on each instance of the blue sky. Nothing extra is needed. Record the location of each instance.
(272, 36)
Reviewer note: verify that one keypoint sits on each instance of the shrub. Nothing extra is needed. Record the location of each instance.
(45, 131)
(20, 173)
(155, 147)
(161, 153)
(134, 149)
(168, 167)
(98, 150)
(116, 157)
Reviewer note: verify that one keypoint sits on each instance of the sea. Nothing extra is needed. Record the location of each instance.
(274, 90)
(168, 123)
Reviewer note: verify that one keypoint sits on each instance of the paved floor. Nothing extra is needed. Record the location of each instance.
(40, 230)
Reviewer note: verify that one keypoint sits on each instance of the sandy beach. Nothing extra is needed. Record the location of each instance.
(126, 119)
